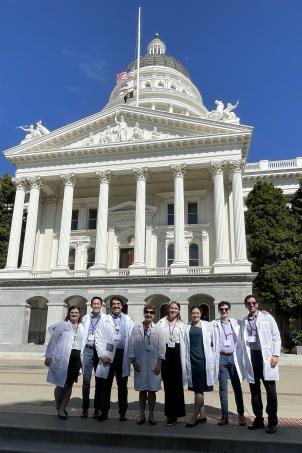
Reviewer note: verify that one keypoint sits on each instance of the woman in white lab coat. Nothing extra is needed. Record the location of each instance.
(174, 365)
(146, 351)
(63, 357)
(199, 363)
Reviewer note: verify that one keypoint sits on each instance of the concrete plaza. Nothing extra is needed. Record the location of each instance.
(27, 414)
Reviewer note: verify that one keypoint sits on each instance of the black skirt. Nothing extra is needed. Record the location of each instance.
(172, 378)
(74, 366)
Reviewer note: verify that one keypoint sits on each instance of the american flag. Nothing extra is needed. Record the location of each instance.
(123, 76)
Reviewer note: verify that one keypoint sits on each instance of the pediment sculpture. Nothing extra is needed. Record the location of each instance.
(222, 113)
(121, 132)
(33, 132)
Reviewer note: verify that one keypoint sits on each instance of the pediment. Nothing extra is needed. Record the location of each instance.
(129, 206)
(121, 127)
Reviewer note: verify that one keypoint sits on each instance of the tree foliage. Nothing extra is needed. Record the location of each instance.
(7, 196)
(296, 206)
(273, 248)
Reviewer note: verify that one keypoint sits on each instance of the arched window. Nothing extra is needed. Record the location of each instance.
(147, 85)
(170, 255)
(90, 257)
(193, 255)
(160, 85)
(71, 258)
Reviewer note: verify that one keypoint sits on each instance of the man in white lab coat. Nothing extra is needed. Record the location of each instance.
(261, 350)
(90, 358)
(228, 361)
(112, 341)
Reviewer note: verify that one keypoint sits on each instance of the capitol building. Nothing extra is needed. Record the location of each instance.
(143, 202)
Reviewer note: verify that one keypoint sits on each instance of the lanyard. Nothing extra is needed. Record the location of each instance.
(93, 323)
(224, 331)
(171, 331)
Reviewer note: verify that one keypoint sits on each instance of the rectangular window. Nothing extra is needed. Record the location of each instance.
(170, 255)
(171, 214)
(192, 213)
(75, 219)
(92, 219)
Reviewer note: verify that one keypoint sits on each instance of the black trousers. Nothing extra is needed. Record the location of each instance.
(171, 372)
(270, 387)
(104, 386)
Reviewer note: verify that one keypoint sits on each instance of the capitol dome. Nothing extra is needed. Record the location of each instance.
(164, 84)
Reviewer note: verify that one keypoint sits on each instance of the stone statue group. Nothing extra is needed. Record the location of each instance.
(34, 132)
(222, 113)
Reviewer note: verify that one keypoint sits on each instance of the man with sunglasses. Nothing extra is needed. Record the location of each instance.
(261, 350)
(228, 361)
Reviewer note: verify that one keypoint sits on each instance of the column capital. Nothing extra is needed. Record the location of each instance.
(217, 168)
(20, 183)
(141, 173)
(235, 166)
(35, 182)
(104, 176)
(69, 179)
(178, 170)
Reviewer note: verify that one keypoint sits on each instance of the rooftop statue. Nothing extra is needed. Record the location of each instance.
(222, 113)
(33, 133)
(155, 134)
(122, 129)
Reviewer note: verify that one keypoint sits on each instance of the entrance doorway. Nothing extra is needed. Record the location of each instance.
(126, 257)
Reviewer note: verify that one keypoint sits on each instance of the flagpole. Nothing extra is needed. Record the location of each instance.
(138, 54)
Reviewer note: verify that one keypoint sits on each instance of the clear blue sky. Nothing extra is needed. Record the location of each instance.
(59, 59)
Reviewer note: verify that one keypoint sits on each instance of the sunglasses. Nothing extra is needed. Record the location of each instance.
(223, 309)
(251, 303)
(151, 312)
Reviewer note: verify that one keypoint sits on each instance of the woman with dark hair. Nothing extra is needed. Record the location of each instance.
(63, 357)
(174, 365)
(199, 363)
(146, 352)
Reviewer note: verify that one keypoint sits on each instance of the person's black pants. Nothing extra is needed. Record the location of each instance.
(104, 386)
(270, 387)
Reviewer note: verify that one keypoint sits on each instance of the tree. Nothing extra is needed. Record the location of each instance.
(7, 196)
(296, 206)
(273, 248)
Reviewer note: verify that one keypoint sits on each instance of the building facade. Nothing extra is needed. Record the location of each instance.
(145, 202)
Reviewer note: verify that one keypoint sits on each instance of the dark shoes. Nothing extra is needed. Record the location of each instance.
(102, 417)
(62, 417)
(202, 420)
(84, 414)
(95, 414)
(271, 429)
(171, 421)
(152, 422)
(141, 421)
(257, 424)
(242, 420)
(190, 425)
(223, 421)
(123, 418)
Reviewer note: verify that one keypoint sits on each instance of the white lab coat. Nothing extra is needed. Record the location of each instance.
(207, 333)
(145, 378)
(58, 350)
(161, 324)
(104, 335)
(270, 342)
(238, 352)
(86, 324)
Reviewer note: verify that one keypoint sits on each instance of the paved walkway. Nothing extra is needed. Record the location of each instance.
(23, 390)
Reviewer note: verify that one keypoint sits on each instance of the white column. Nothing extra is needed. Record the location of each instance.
(139, 263)
(101, 245)
(64, 240)
(205, 248)
(235, 169)
(179, 264)
(16, 226)
(31, 223)
(217, 169)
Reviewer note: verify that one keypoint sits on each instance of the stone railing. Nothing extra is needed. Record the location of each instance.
(199, 270)
(117, 272)
(273, 165)
(41, 274)
(158, 271)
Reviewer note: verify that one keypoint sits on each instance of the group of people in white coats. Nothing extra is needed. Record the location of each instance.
(199, 355)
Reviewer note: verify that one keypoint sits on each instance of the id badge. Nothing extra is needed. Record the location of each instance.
(91, 337)
(117, 337)
(149, 348)
(251, 339)
(109, 347)
(171, 344)
(227, 343)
